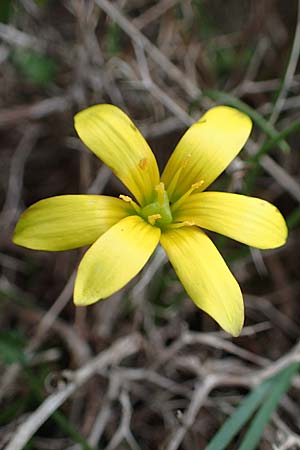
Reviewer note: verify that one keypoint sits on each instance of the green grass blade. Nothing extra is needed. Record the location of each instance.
(281, 385)
(295, 126)
(241, 415)
(268, 393)
(268, 145)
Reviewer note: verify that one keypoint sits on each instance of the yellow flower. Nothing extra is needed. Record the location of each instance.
(171, 210)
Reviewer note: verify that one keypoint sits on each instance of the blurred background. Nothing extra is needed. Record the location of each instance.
(165, 376)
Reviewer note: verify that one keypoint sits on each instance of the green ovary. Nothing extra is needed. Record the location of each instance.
(159, 209)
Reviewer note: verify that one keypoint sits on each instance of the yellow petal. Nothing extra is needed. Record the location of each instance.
(114, 259)
(68, 221)
(249, 220)
(206, 149)
(205, 276)
(110, 134)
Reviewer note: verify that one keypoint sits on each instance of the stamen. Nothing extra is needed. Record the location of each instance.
(185, 223)
(125, 198)
(186, 195)
(144, 164)
(153, 218)
(188, 223)
(128, 199)
(175, 178)
(160, 189)
(197, 185)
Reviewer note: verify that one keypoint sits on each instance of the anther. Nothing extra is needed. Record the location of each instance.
(153, 218)
(176, 225)
(132, 203)
(188, 223)
(125, 198)
(144, 163)
(196, 185)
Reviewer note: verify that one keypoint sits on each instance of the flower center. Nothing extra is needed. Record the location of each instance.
(158, 212)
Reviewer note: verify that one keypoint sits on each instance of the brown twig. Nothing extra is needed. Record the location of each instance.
(122, 348)
(155, 54)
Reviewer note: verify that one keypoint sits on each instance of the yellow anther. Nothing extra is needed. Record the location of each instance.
(144, 164)
(153, 218)
(186, 223)
(126, 198)
(160, 189)
(197, 185)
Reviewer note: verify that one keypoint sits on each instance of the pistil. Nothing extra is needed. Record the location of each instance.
(158, 213)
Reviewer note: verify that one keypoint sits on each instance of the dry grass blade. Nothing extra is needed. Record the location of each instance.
(119, 350)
